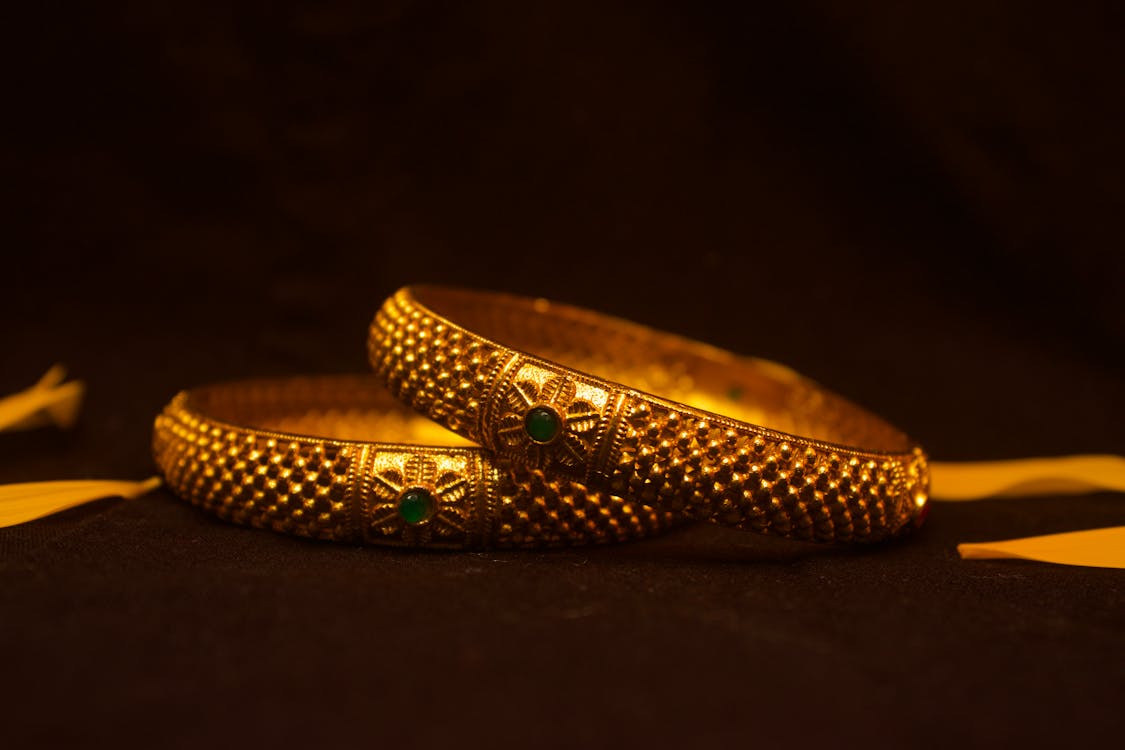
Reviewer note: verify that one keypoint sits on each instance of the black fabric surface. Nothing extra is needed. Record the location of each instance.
(918, 207)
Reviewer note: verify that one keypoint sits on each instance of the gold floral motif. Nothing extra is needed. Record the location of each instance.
(447, 487)
(577, 430)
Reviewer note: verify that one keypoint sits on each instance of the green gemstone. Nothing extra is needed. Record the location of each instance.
(542, 424)
(416, 506)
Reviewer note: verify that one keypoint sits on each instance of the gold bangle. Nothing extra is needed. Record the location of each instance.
(294, 456)
(640, 413)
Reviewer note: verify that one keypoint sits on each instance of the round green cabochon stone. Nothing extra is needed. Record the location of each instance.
(542, 424)
(416, 505)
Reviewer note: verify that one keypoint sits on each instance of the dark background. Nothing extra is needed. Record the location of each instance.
(919, 206)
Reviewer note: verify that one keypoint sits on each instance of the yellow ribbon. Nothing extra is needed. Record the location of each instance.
(53, 402)
(1026, 477)
(48, 402)
(20, 503)
(1023, 477)
(1096, 548)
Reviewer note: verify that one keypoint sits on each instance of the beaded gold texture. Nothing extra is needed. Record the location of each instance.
(350, 490)
(649, 449)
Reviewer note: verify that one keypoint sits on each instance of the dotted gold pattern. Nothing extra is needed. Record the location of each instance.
(224, 449)
(476, 362)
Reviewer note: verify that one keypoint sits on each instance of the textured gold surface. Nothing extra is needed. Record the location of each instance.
(296, 456)
(649, 416)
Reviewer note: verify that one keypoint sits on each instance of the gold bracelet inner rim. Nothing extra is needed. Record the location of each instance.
(348, 408)
(667, 367)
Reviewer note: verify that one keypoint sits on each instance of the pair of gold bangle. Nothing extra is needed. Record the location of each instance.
(583, 428)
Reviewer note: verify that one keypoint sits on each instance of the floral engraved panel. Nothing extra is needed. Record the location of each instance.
(446, 480)
(549, 420)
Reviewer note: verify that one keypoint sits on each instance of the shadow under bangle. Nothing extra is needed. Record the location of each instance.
(654, 417)
(296, 456)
